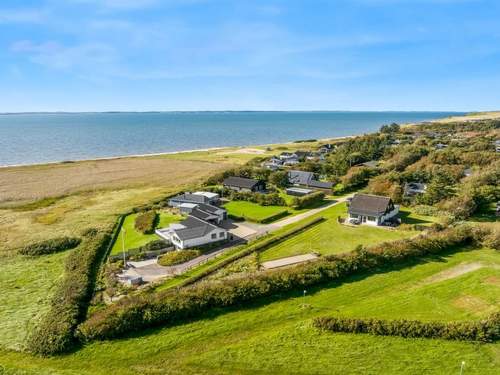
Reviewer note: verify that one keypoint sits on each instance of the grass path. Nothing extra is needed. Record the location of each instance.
(277, 337)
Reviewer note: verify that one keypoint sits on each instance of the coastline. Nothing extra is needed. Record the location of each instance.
(220, 148)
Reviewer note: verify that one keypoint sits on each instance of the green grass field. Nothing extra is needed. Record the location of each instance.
(27, 284)
(134, 239)
(252, 211)
(331, 237)
(276, 337)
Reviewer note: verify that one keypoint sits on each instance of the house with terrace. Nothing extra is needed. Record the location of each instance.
(308, 180)
(326, 148)
(372, 209)
(244, 184)
(192, 232)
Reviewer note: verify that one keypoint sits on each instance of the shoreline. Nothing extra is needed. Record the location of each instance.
(166, 153)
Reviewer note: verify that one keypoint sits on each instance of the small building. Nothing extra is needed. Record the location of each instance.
(204, 197)
(273, 163)
(440, 146)
(192, 232)
(372, 164)
(414, 188)
(213, 198)
(244, 184)
(372, 209)
(298, 192)
(307, 179)
(326, 148)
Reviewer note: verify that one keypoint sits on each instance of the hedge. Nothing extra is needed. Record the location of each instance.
(145, 222)
(487, 330)
(177, 257)
(51, 246)
(308, 200)
(56, 331)
(169, 307)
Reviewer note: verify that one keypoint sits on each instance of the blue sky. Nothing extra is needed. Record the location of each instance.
(98, 55)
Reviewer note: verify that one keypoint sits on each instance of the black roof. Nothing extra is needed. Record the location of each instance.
(241, 182)
(366, 204)
(208, 208)
(320, 184)
(194, 228)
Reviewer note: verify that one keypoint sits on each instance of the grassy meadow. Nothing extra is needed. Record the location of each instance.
(26, 286)
(276, 336)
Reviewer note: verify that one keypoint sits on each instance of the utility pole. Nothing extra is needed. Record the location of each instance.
(462, 368)
(123, 248)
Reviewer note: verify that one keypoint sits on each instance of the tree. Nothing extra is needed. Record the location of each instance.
(279, 179)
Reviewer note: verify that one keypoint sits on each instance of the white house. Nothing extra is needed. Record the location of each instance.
(372, 209)
(192, 232)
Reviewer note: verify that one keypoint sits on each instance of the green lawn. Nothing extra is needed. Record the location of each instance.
(252, 211)
(134, 239)
(330, 237)
(276, 337)
(27, 284)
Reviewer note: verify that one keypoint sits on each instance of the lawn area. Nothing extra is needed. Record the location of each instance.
(27, 284)
(134, 239)
(330, 237)
(253, 211)
(276, 337)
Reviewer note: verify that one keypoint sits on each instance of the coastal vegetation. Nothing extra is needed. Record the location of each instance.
(363, 274)
(176, 257)
(51, 246)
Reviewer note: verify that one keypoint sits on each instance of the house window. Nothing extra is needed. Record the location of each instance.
(372, 218)
(354, 216)
(214, 236)
(221, 234)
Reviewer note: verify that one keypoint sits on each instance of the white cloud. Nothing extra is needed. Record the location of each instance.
(22, 16)
(56, 56)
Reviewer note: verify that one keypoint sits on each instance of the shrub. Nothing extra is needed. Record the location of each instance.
(51, 246)
(55, 333)
(177, 257)
(168, 307)
(487, 330)
(146, 222)
(272, 199)
(308, 200)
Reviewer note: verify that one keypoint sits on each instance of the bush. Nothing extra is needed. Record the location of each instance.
(272, 199)
(487, 330)
(169, 307)
(177, 257)
(308, 200)
(146, 222)
(51, 246)
(55, 333)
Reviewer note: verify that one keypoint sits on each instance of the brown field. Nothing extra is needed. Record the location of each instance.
(36, 182)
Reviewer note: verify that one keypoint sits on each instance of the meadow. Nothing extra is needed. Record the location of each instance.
(276, 336)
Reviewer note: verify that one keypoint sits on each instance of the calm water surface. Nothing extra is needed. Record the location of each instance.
(38, 138)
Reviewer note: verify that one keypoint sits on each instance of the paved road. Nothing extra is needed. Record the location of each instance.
(296, 218)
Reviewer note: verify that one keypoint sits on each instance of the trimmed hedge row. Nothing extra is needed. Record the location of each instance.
(51, 246)
(487, 330)
(169, 307)
(56, 332)
(177, 257)
(308, 200)
(145, 222)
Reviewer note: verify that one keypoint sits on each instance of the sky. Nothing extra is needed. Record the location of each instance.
(143, 55)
